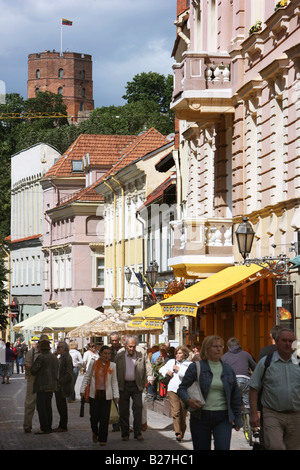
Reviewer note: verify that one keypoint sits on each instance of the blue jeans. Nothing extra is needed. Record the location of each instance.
(19, 362)
(243, 384)
(211, 423)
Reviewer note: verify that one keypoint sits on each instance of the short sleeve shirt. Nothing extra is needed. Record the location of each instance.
(281, 383)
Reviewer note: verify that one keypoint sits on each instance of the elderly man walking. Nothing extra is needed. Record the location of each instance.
(30, 398)
(45, 369)
(280, 384)
(133, 372)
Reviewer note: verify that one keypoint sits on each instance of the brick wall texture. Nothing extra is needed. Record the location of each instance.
(69, 74)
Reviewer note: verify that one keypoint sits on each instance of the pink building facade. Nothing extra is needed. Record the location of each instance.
(73, 239)
(236, 98)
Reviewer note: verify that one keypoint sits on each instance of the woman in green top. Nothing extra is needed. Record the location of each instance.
(222, 407)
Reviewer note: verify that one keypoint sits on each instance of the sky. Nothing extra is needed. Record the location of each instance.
(124, 37)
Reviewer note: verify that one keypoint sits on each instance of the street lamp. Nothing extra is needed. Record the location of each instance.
(152, 272)
(245, 236)
(128, 274)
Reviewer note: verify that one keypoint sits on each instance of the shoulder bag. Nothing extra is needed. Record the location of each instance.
(166, 379)
(194, 391)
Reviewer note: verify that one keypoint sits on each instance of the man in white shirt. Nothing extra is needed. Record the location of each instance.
(133, 371)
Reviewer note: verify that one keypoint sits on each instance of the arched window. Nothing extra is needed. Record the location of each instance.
(38, 73)
(60, 91)
(83, 74)
(83, 93)
(60, 73)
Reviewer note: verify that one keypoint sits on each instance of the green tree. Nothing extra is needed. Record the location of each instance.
(44, 103)
(130, 119)
(150, 86)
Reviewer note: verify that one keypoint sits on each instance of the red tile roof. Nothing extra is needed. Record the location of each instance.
(140, 146)
(146, 143)
(103, 150)
(159, 191)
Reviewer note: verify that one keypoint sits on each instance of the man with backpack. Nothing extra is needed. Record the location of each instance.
(278, 375)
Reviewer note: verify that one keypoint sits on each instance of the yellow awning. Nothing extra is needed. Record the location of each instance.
(152, 317)
(210, 289)
(148, 323)
(152, 312)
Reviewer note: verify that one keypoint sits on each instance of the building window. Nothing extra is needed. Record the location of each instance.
(100, 272)
(83, 93)
(38, 73)
(60, 91)
(83, 74)
(60, 73)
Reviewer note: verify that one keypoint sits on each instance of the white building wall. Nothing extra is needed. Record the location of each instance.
(27, 168)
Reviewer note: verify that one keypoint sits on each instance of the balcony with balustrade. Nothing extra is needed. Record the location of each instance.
(202, 86)
(202, 246)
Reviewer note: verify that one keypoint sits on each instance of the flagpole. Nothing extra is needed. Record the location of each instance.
(61, 37)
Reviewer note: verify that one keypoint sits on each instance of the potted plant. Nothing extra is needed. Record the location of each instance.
(281, 4)
(256, 27)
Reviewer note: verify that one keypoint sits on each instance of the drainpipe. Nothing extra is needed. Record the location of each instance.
(142, 221)
(114, 242)
(182, 35)
(50, 256)
(122, 237)
(175, 154)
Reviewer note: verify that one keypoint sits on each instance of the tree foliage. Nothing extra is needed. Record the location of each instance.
(150, 86)
(148, 96)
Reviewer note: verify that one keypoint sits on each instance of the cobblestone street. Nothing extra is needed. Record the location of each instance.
(158, 437)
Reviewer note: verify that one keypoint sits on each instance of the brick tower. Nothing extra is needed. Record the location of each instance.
(69, 74)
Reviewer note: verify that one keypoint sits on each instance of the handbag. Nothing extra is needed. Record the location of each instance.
(81, 412)
(165, 380)
(114, 413)
(87, 393)
(194, 391)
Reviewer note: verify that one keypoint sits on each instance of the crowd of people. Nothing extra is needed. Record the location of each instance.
(12, 355)
(126, 375)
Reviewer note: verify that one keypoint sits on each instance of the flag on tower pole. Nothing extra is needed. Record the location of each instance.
(64, 22)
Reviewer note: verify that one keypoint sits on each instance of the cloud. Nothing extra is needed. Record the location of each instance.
(124, 37)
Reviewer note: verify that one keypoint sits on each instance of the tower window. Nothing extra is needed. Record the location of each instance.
(38, 73)
(83, 74)
(83, 93)
(60, 91)
(60, 73)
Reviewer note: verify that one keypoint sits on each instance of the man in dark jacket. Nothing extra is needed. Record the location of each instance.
(242, 364)
(45, 370)
(65, 385)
